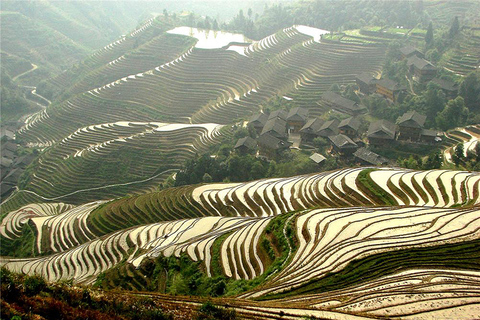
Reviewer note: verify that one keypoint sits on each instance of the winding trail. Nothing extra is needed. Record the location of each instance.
(34, 67)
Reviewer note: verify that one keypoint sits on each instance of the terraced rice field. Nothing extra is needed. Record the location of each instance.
(109, 160)
(205, 85)
(262, 198)
(339, 228)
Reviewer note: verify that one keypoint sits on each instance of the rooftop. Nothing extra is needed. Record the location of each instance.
(390, 84)
(351, 122)
(341, 141)
(381, 129)
(247, 142)
(370, 157)
(412, 119)
(271, 142)
(312, 125)
(408, 50)
(317, 158)
(445, 84)
(420, 63)
(366, 78)
(297, 114)
(259, 117)
(282, 114)
(276, 125)
(340, 101)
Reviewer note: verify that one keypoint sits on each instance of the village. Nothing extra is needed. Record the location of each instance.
(347, 134)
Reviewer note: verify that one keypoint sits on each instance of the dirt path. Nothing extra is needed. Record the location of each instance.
(34, 67)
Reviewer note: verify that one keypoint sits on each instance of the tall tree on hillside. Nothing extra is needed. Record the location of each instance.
(453, 115)
(429, 35)
(457, 156)
(435, 102)
(454, 28)
(470, 91)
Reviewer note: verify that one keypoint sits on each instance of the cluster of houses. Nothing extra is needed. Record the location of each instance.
(273, 131)
(11, 165)
(409, 128)
(420, 70)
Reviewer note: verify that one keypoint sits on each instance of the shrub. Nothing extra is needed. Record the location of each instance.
(34, 285)
(209, 311)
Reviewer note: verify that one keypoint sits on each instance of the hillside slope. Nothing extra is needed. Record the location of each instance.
(285, 247)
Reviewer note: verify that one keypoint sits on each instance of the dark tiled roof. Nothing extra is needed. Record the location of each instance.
(408, 50)
(282, 114)
(341, 141)
(420, 63)
(429, 133)
(329, 127)
(366, 78)
(276, 125)
(351, 122)
(370, 157)
(297, 114)
(381, 129)
(247, 142)
(341, 102)
(258, 118)
(312, 125)
(445, 84)
(271, 142)
(412, 119)
(390, 84)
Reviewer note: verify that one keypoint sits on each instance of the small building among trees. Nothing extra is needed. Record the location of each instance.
(366, 83)
(309, 131)
(296, 119)
(349, 126)
(367, 157)
(381, 132)
(390, 89)
(277, 127)
(410, 51)
(421, 69)
(328, 128)
(270, 146)
(257, 121)
(245, 145)
(341, 104)
(450, 88)
(410, 126)
(343, 145)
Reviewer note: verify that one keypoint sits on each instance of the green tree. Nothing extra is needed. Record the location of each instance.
(458, 155)
(454, 114)
(470, 91)
(429, 35)
(435, 102)
(454, 28)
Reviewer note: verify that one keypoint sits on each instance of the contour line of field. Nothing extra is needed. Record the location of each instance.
(89, 189)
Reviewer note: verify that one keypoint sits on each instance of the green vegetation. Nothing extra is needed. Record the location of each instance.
(208, 311)
(367, 185)
(462, 255)
(182, 276)
(30, 297)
